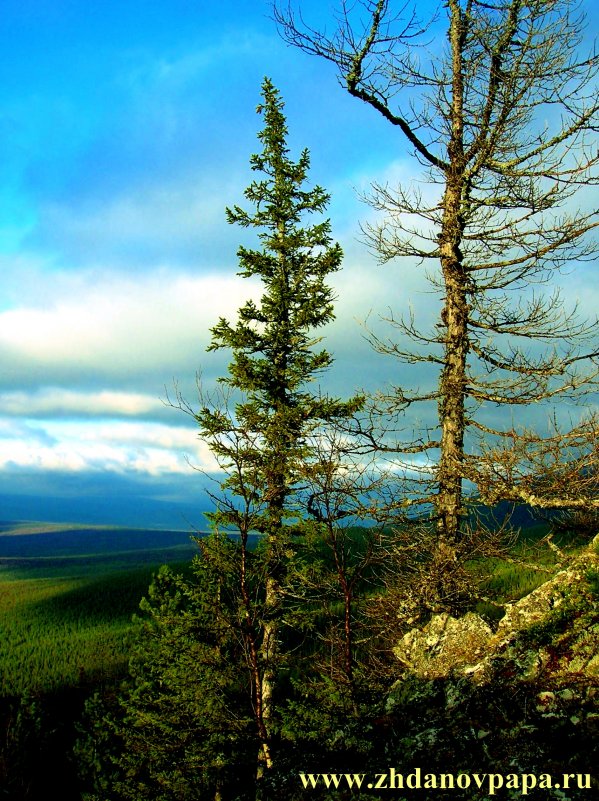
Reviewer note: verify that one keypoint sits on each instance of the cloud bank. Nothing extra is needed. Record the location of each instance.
(125, 133)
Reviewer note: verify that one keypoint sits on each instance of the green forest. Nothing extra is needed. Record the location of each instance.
(373, 600)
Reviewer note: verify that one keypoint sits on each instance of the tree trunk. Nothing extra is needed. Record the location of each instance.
(452, 392)
(268, 654)
(257, 675)
(455, 311)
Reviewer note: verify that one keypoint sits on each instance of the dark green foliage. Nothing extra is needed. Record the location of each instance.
(321, 725)
(60, 637)
(265, 428)
(183, 727)
(66, 632)
(180, 728)
(593, 580)
(38, 734)
(20, 754)
(65, 626)
(263, 445)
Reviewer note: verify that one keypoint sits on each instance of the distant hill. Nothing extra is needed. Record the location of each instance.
(109, 509)
(36, 549)
(521, 516)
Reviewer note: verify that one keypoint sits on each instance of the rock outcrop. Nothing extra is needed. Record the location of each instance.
(523, 698)
(558, 622)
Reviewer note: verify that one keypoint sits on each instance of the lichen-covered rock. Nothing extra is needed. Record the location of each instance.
(524, 698)
(444, 644)
(549, 597)
(561, 612)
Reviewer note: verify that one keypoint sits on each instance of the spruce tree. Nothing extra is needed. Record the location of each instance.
(208, 695)
(180, 727)
(264, 441)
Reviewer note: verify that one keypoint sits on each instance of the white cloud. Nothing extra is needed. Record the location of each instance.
(54, 400)
(16, 430)
(115, 325)
(115, 446)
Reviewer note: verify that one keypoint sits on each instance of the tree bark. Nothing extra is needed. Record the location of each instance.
(452, 387)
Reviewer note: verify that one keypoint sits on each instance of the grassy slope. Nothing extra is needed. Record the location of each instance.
(67, 595)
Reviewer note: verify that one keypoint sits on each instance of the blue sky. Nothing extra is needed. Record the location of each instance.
(125, 130)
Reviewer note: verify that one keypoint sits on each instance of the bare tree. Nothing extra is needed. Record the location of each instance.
(340, 493)
(498, 106)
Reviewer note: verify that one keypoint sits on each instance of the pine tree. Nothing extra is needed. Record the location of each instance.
(263, 443)
(180, 727)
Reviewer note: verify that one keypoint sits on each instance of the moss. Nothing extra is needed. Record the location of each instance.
(548, 630)
(592, 578)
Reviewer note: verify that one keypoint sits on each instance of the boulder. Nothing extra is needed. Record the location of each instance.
(520, 699)
(554, 628)
(443, 645)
